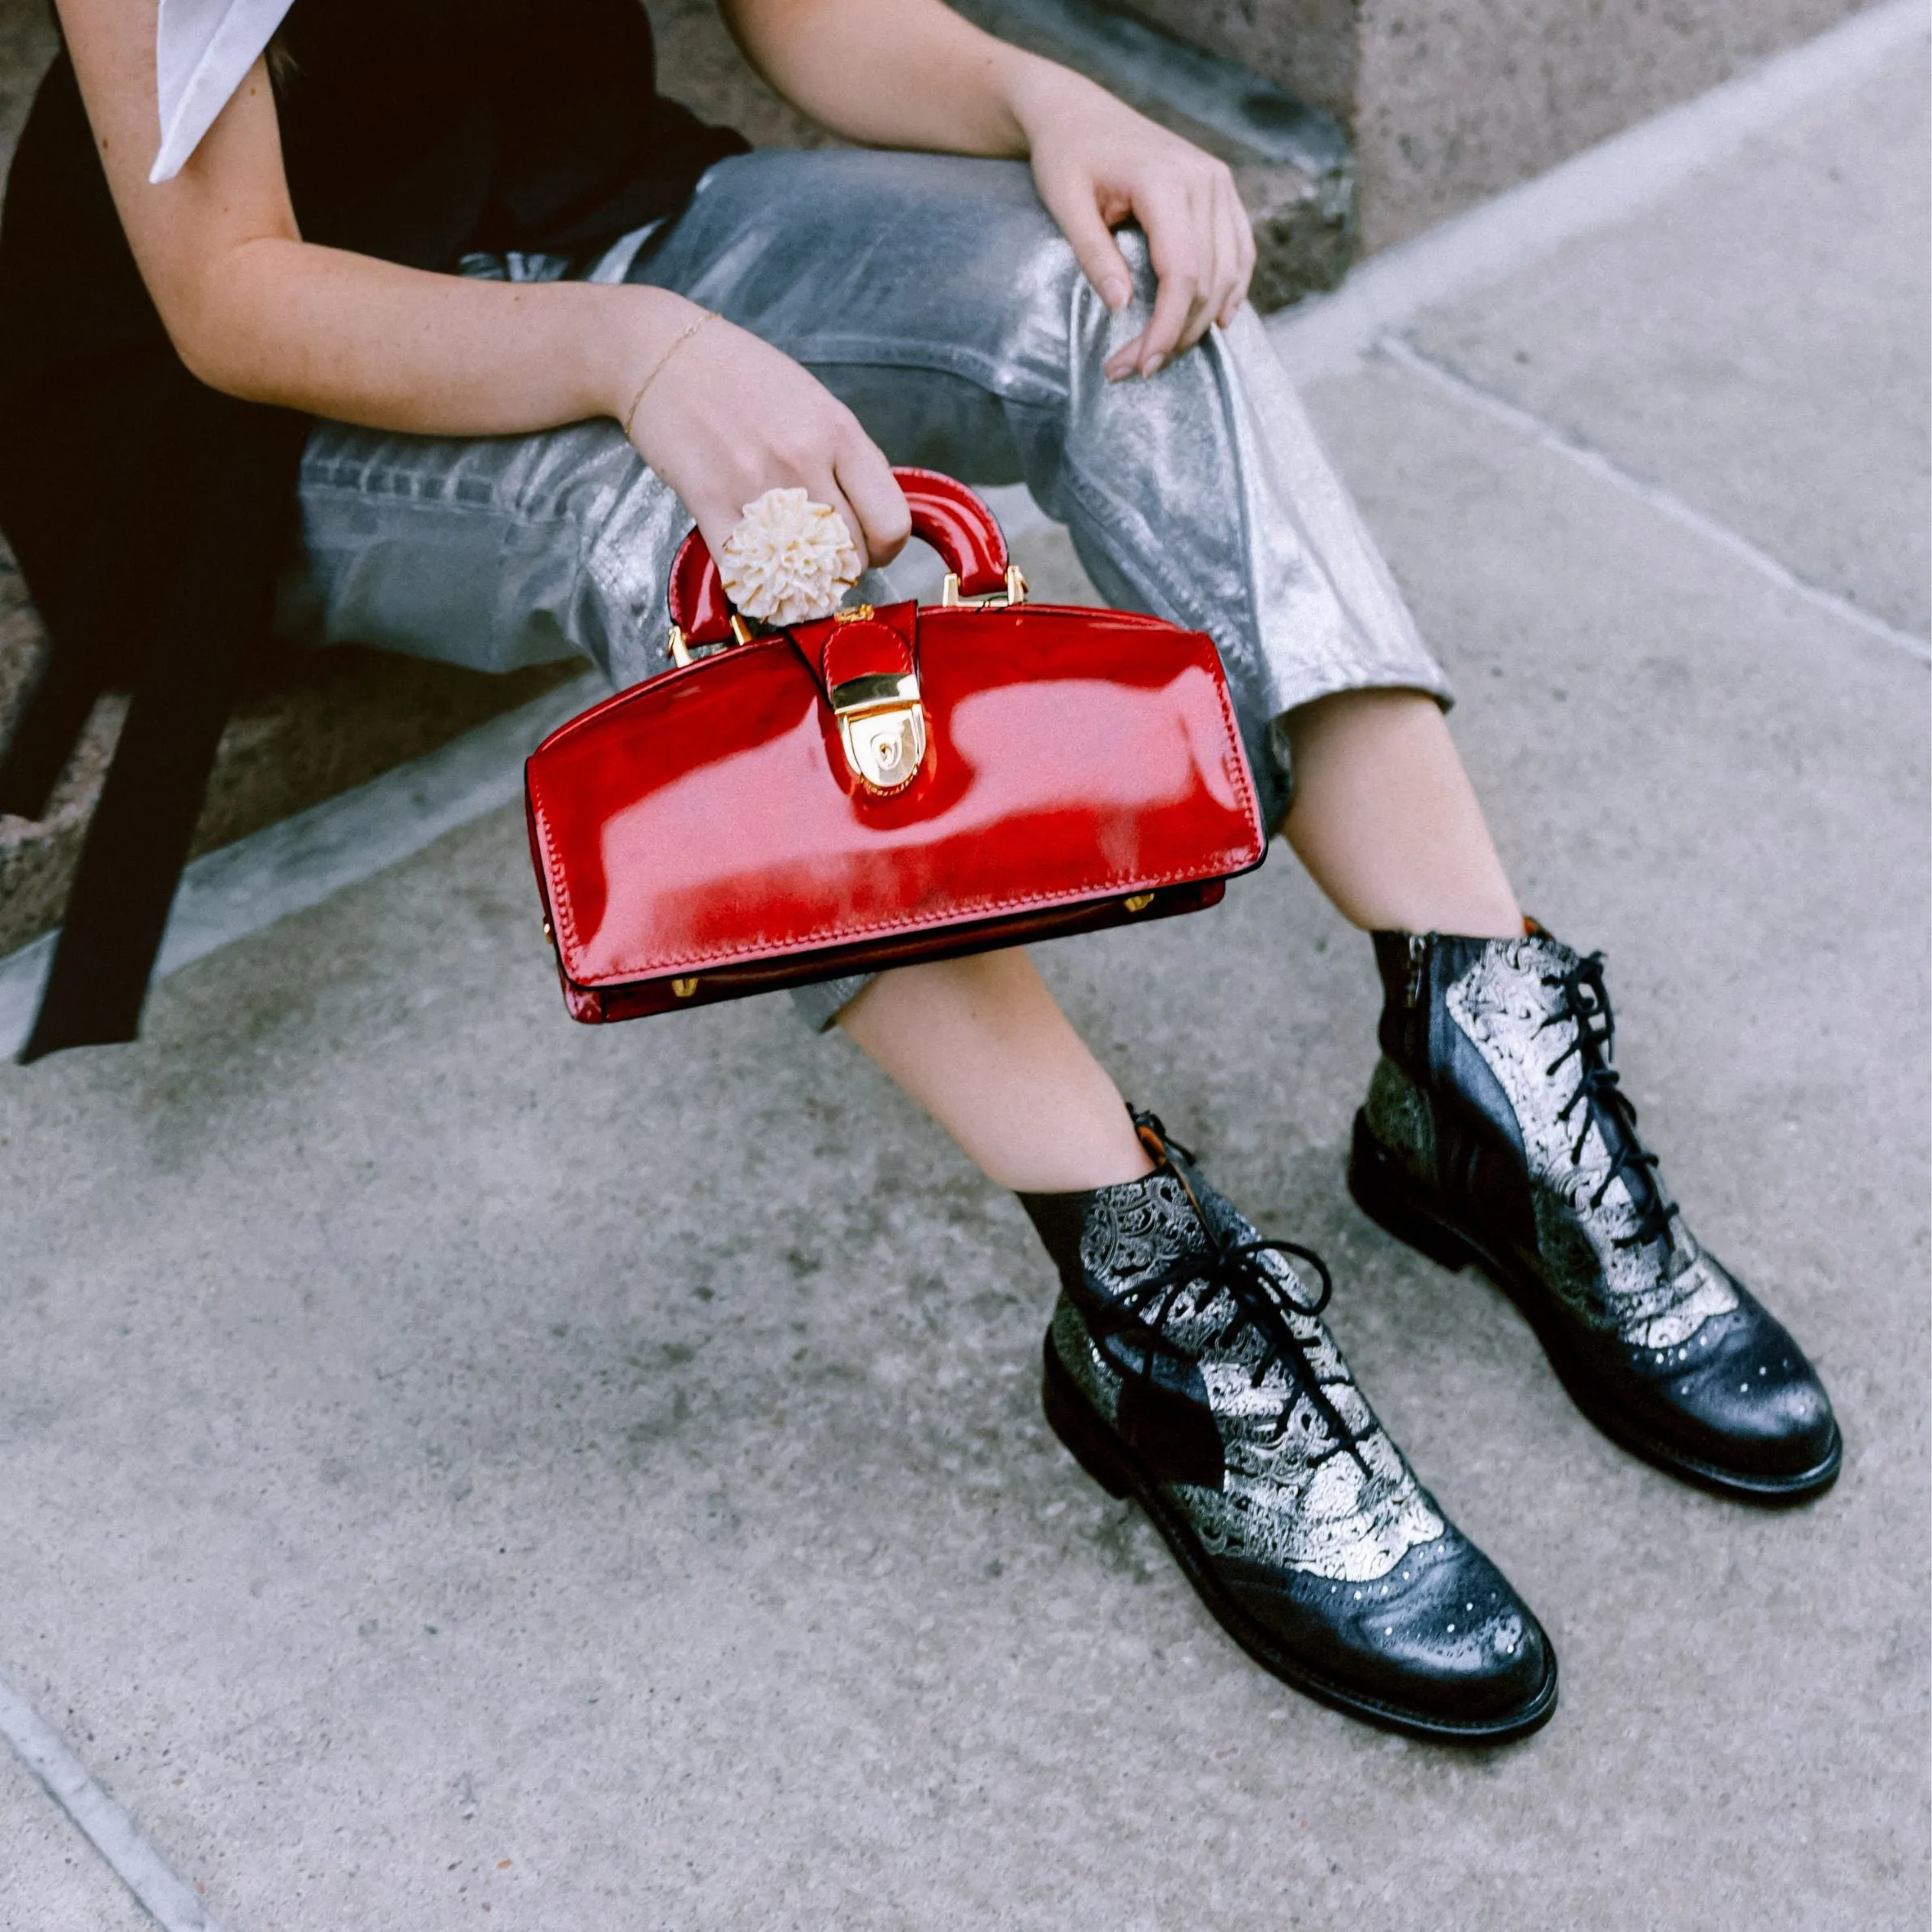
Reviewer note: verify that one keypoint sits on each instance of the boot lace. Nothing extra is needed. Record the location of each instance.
(1264, 1303)
(1586, 1006)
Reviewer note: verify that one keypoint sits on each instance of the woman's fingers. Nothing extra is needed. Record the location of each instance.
(1217, 267)
(1097, 163)
(1236, 254)
(1076, 210)
(716, 521)
(874, 506)
(873, 511)
(1219, 214)
(1174, 252)
(1126, 359)
(735, 418)
(1182, 252)
(1202, 248)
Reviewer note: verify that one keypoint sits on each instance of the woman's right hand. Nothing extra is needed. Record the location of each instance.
(728, 417)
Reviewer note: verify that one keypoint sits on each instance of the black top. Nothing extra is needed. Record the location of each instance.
(149, 514)
(418, 129)
(412, 130)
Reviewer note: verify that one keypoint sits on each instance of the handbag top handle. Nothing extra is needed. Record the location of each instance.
(945, 514)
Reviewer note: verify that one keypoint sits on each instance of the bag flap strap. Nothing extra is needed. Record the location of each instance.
(867, 664)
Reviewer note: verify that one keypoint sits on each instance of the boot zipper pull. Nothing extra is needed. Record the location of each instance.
(1418, 957)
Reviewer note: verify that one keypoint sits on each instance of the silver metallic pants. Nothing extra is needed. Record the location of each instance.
(937, 298)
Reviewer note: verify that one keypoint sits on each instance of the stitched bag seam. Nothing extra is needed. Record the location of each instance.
(1112, 886)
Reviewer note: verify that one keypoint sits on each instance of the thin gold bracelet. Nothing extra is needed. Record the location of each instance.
(690, 330)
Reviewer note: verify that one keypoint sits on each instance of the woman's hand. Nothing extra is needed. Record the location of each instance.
(728, 417)
(1097, 164)
(913, 73)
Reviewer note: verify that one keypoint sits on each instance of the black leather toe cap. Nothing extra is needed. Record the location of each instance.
(1753, 1403)
(1442, 1638)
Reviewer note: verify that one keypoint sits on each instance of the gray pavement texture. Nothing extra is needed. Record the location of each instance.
(1736, 353)
(458, 1464)
(50, 1875)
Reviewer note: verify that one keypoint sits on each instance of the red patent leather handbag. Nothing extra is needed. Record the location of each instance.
(883, 786)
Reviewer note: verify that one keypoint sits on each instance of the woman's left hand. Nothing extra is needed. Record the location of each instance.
(1097, 164)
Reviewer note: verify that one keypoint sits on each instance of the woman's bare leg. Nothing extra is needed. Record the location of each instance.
(983, 1046)
(1387, 822)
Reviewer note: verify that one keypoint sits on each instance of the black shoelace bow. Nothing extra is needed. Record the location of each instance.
(1586, 1004)
(1263, 1303)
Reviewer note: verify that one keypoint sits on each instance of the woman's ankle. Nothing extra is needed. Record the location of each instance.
(1080, 1170)
(1472, 916)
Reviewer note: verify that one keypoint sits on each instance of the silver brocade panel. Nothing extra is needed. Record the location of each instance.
(1653, 1296)
(1290, 1497)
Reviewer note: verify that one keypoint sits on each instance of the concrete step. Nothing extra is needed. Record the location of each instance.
(1447, 102)
(314, 724)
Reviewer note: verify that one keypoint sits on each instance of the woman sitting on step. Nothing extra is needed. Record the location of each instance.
(441, 299)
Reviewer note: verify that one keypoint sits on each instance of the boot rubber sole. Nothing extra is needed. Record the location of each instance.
(1115, 1468)
(1395, 1203)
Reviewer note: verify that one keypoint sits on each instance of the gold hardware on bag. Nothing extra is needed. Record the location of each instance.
(1015, 593)
(1138, 901)
(882, 726)
(549, 936)
(679, 645)
(854, 614)
(683, 989)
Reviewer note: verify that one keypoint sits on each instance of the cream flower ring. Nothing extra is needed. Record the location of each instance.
(789, 560)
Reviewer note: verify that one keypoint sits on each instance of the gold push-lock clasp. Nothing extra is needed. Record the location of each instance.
(882, 725)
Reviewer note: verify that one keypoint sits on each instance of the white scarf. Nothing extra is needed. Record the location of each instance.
(203, 51)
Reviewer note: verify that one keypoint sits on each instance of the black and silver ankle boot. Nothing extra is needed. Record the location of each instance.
(1187, 1367)
(1495, 1133)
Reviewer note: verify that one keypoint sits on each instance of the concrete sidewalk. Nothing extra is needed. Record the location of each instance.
(454, 1463)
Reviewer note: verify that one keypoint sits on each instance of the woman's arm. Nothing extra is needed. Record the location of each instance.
(913, 73)
(254, 310)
